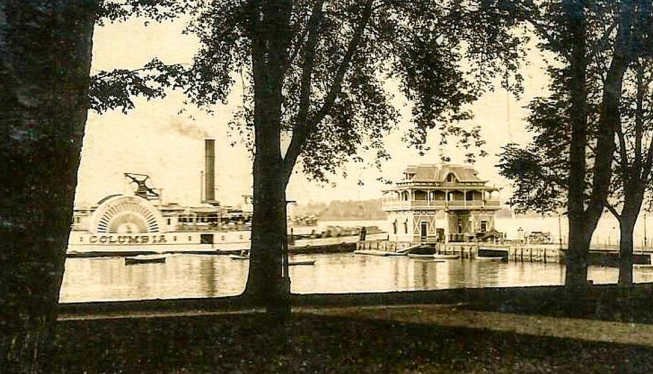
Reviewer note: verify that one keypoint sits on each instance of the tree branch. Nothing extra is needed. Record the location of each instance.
(543, 30)
(623, 153)
(648, 163)
(603, 42)
(613, 210)
(300, 137)
(639, 120)
(309, 62)
(311, 26)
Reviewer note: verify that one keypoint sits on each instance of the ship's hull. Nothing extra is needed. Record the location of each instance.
(84, 244)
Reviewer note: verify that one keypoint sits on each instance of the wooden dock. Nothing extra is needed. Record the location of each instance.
(518, 252)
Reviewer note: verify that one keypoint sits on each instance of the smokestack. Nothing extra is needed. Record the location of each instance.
(209, 172)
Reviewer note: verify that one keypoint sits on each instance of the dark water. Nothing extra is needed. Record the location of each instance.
(95, 279)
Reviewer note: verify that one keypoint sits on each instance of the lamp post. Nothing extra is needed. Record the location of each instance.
(284, 260)
(645, 241)
(560, 231)
(285, 307)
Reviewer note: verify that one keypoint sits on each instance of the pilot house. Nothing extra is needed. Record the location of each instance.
(447, 203)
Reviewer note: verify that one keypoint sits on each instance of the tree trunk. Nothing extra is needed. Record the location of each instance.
(270, 35)
(633, 198)
(626, 229)
(45, 59)
(585, 220)
(609, 121)
(576, 256)
(268, 221)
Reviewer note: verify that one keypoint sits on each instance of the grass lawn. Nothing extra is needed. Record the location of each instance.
(251, 343)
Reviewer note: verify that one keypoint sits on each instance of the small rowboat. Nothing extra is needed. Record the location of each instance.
(145, 259)
(490, 258)
(301, 263)
(422, 256)
(239, 257)
(291, 263)
(372, 252)
(440, 256)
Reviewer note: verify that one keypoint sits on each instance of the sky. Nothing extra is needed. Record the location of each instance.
(155, 139)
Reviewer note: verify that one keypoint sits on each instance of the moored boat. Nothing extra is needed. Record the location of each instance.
(301, 262)
(142, 223)
(441, 256)
(145, 259)
(423, 251)
(422, 256)
(239, 257)
(290, 263)
(490, 258)
(243, 255)
(371, 252)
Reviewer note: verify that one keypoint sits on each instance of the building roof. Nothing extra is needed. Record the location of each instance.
(434, 173)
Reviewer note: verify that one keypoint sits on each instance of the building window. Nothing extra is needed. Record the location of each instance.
(460, 226)
(174, 238)
(77, 220)
(190, 238)
(169, 221)
(406, 227)
(451, 178)
(394, 227)
(483, 226)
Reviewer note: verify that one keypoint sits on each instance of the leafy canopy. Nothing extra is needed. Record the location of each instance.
(346, 61)
(540, 170)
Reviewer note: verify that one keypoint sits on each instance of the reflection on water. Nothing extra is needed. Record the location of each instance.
(183, 276)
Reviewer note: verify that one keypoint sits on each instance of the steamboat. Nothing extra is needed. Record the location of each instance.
(141, 223)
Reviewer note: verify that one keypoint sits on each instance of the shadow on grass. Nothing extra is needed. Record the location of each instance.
(611, 307)
(252, 343)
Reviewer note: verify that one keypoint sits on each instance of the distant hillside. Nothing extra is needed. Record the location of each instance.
(504, 212)
(343, 210)
(353, 210)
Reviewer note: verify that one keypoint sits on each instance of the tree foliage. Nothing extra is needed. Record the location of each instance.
(339, 87)
(540, 170)
(591, 105)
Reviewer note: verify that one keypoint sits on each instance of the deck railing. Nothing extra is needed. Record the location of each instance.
(424, 204)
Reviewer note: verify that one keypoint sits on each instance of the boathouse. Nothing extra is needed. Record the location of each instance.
(441, 203)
